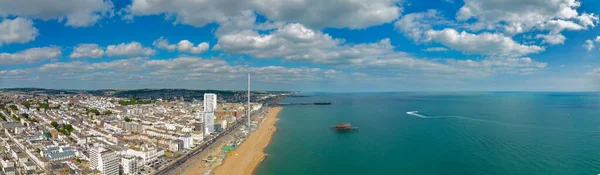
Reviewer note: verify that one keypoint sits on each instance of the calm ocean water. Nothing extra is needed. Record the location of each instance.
(464, 133)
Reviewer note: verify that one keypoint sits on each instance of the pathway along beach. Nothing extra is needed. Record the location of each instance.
(250, 153)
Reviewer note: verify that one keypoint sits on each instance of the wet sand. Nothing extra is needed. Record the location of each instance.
(250, 153)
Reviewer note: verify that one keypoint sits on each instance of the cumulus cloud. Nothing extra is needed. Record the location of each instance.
(187, 46)
(78, 13)
(589, 45)
(552, 38)
(176, 69)
(415, 24)
(18, 30)
(30, 56)
(313, 13)
(87, 50)
(294, 42)
(129, 49)
(182, 46)
(163, 43)
(522, 15)
(484, 43)
(14, 74)
(420, 28)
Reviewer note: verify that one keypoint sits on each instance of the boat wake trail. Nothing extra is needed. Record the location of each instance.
(416, 114)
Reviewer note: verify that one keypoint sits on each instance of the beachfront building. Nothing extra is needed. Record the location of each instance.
(130, 164)
(147, 153)
(104, 160)
(210, 102)
(188, 141)
(210, 105)
(209, 122)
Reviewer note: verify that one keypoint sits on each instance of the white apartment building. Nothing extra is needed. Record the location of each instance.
(188, 141)
(210, 102)
(130, 164)
(209, 122)
(147, 153)
(104, 160)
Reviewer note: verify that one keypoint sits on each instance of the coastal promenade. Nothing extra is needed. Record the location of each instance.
(189, 163)
(250, 153)
(189, 160)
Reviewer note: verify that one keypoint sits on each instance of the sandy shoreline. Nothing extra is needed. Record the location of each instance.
(247, 156)
(250, 153)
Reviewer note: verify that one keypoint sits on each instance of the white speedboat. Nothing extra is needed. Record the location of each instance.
(412, 112)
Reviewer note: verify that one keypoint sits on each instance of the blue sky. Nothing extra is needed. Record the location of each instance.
(308, 45)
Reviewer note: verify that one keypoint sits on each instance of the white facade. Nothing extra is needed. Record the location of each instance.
(147, 153)
(94, 157)
(110, 163)
(209, 122)
(210, 102)
(105, 161)
(188, 141)
(130, 164)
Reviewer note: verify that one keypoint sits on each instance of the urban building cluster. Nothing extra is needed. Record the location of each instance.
(87, 134)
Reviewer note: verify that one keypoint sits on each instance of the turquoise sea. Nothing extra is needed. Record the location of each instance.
(455, 133)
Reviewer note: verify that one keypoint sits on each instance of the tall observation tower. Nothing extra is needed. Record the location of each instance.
(248, 101)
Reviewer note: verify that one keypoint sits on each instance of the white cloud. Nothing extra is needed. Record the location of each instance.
(78, 13)
(339, 14)
(182, 46)
(18, 30)
(597, 39)
(484, 43)
(552, 38)
(413, 25)
(130, 49)
(163, 43)
(30, 56)
(131, 64)
(589, 45)
(435, 49)
(65, 67)
(187, 46)
(313, 13)
(420, 28)
(524, 65)
(294, 42)
(176, 69)
(14, 74)
(525, 15)
(87, 50)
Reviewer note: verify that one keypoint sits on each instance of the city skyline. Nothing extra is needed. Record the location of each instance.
(350, 46)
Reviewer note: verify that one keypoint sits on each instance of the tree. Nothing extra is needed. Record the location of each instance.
(13, 107)
(54, 124)
(15, 117)
(127, 119)
(95, 111)
(107, 112)
(26, 104)
(68, 127)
